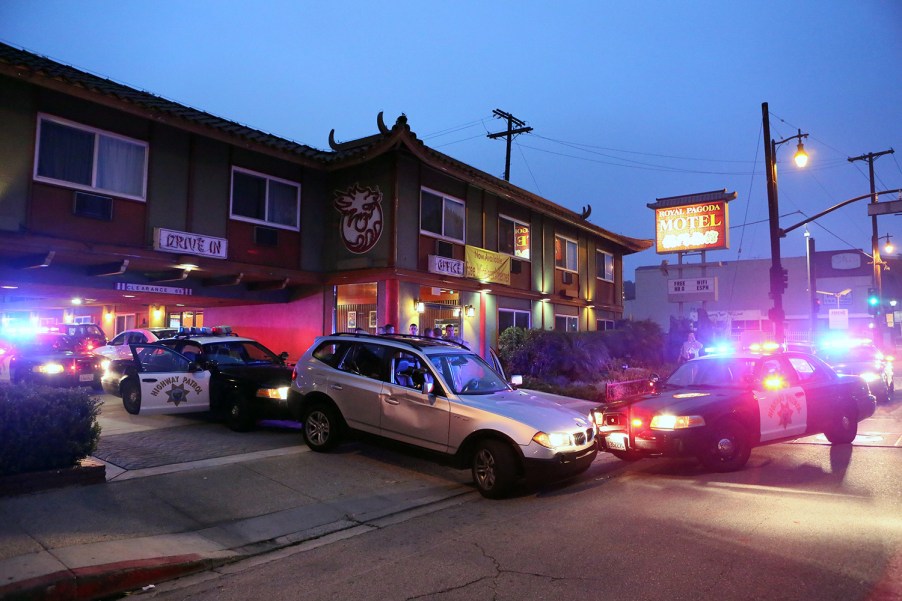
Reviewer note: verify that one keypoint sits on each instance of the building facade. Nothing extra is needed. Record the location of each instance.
(125, 209)
(842, 282)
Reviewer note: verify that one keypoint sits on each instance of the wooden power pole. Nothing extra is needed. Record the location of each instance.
(509, 134)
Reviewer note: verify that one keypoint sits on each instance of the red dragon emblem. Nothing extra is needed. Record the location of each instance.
(361, 223)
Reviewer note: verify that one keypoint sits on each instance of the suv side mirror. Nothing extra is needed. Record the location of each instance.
(516, 381)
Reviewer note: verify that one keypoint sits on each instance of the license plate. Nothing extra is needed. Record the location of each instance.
(617, 442)
(86, 377)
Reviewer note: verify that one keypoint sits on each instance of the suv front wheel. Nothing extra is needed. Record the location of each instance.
(322, 427)
(494, 467)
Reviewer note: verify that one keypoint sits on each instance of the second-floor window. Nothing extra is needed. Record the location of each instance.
(264, 199)
(513, 237)
(90, 159)
(565, 253)
(441, 215)
(604, 265)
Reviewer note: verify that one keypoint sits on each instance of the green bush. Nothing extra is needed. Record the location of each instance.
(44, 428)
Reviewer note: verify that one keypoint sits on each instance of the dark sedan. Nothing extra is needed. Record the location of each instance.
(718, 407)
(50, 358)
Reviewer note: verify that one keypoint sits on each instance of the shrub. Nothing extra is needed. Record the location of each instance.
(44, 428)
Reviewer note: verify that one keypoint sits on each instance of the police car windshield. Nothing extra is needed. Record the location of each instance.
(727, 372)
(240, 352)
(467, 373)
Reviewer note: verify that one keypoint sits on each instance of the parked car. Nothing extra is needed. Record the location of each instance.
(88, 336)
(237, 379)
(118, 346)
(437, 395)
(860, 358)
(718, 407)
(49, 358)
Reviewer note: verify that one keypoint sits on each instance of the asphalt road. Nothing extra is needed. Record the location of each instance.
(802, 521)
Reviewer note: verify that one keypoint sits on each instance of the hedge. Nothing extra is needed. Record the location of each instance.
(44, 428)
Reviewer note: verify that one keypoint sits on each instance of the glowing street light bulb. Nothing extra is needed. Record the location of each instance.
(801, 157)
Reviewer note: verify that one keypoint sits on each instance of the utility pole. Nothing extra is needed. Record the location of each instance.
(875, 239)
(509, 134)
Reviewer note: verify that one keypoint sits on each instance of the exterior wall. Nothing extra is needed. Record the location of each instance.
(744, 293)
(16, 152)
(290, 327)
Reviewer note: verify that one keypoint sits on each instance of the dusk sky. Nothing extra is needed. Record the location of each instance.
(629, 101)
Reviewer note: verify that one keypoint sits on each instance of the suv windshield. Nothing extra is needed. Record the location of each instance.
(467, 373)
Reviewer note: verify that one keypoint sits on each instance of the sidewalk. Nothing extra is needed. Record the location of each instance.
(152, 524)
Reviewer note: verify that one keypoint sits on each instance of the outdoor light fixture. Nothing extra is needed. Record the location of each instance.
(419, 306)
(888, 247)
(471, 310)
(76, 301)
(186, 264)
(800, 157)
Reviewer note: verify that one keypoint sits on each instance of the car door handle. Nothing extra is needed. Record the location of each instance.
(148, 379)
(392, 400)
(336, 387)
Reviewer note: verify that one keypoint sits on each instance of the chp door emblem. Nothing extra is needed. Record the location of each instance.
(177, 394)
(361, 217)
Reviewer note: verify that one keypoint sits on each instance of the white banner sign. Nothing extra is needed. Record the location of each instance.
(446, 266)
(839, 319)
(172, 241)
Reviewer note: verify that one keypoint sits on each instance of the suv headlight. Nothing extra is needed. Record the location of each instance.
(273, 393)
(676, 422)
(869, 377)
(554, 439)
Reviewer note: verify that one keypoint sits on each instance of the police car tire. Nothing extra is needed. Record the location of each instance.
(843, 427)
(494, 468)
(131, 397)
(238, 414)
(729, 447)
(321, 427)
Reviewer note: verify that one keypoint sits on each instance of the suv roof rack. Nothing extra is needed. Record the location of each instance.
(409, 339)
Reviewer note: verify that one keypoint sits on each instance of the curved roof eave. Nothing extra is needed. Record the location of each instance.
(400, 134)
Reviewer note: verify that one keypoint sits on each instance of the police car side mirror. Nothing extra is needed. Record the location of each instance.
(516, 381)
(193, 366)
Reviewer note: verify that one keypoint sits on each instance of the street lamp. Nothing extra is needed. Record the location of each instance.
(778, 276)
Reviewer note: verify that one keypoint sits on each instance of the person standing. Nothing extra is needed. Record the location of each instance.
(691, 349)
(413, 329)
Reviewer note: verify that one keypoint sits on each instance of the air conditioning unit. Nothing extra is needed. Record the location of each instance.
(93, 206)
(567, 278)
(444, 249)
(266, 236)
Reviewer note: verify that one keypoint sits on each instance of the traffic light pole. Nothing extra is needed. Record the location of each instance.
(776, 314)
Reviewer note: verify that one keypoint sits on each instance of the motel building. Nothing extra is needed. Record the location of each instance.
(826, 293)
(122, 208)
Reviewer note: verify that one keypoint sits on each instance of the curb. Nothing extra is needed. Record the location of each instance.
(87, 471)
(101, 581)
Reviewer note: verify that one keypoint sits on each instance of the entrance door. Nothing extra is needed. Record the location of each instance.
(168, 382)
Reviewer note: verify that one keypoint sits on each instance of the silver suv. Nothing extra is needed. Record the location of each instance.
(438, 395)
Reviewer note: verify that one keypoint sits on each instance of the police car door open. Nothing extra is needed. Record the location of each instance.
(168, 385)
(782, 404)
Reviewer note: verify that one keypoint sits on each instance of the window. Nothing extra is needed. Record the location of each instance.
(441, 215)
(604, 265)
(510, 318)
(263, 199)
(566, 323)
(513, 237)
(604, 324)
(564, 253)
(90, 159)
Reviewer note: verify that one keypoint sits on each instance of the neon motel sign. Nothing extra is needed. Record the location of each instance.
(703, 226)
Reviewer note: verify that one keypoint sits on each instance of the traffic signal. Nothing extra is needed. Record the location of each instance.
(873, 301)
